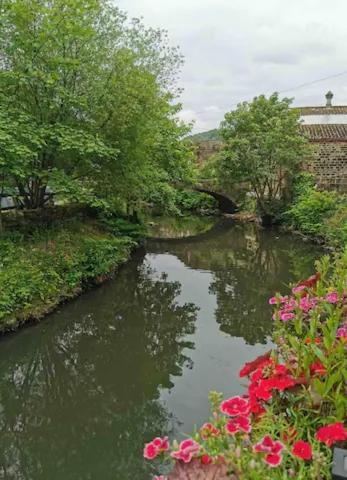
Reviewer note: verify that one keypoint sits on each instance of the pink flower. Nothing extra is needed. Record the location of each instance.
(238, 424)
(274, 301)
(302, 450)
(306, 304)
(235, 406)
(286, 316)
(272, 449)
(298, 289)
(159, 477)
(332, 297)
(341, 332)
(155, 447)
(187, 449)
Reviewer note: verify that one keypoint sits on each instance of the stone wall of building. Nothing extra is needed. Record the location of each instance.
(329, 164)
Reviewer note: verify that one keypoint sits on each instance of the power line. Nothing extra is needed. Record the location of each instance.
(297, 87)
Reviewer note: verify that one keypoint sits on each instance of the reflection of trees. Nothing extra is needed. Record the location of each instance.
(248, 266)
(78, 398)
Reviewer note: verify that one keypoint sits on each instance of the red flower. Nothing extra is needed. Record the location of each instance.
(311, 281)
(187, 449)
(235, 406)
(249, 367)
(155, 447)
(238, 424)
(332, 433)
(273, 459)
(302, 450)
(317, 368)
(206, 459)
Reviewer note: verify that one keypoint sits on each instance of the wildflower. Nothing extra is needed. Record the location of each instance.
(155, 447)
(302, 450)
(187, 449)
(306, 304)
(272, 449)
(332, 297)
(317, 368)
(286, 316)
(341, 332)
(238, 424)
(332, 433)
(260, 361)
(206, 459)
(277, 300)
(235, 406)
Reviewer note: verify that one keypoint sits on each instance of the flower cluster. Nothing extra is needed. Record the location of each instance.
(291, 389)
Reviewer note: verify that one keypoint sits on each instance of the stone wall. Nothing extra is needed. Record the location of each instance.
(329, 164)
(206, 149)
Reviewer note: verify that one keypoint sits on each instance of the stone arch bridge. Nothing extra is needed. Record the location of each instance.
(225, 203)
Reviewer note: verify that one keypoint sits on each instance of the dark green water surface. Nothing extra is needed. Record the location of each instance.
(82, 391)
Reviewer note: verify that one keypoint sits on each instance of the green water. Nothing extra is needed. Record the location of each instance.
(81, 392)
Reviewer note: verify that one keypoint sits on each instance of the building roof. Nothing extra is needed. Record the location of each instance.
(328, 132)
(323, 110)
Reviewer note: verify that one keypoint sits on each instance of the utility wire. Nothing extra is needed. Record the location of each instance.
(297, 87)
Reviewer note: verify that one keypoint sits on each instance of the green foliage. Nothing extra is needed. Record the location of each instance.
(262, 147)
(209, 135)
(309, 212)
(87, 104)
(52, 265)
(317, 213)
(174, 201)
(122, 227)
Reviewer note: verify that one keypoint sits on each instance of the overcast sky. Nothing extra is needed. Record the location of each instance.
(236, 49)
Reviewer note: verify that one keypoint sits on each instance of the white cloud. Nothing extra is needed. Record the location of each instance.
(236, 49)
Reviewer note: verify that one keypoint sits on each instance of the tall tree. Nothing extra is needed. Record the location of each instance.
(262, 147)
(94, 89)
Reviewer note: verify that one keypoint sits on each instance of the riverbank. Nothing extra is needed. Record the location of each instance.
(48, 266)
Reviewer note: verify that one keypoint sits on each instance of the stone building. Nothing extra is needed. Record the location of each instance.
(326, 128)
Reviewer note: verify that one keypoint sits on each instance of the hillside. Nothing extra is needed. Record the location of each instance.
(203, 136)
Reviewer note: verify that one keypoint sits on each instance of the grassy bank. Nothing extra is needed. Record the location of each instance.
(40, 269)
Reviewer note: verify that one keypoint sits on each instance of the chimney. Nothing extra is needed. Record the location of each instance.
(329, 97)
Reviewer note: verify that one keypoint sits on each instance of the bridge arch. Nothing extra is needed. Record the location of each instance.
(225, 203)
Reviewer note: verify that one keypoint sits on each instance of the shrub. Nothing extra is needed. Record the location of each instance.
(311, 209)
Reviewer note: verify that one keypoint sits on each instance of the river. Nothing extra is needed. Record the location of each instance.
(83, 390)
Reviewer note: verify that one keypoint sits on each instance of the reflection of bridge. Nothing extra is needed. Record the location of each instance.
(225, 203)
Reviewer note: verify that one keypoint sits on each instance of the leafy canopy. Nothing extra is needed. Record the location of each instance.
(262, 146)
(87, 103)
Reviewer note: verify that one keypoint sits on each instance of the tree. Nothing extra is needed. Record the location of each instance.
(97, 93)
(262, 147)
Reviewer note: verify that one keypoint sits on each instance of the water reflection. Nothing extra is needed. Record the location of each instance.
(81, 392)
(91, 383)
(248, 265)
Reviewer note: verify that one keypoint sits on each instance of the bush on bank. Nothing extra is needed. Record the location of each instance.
(292, 414)
(40, 270)
(320, 214)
